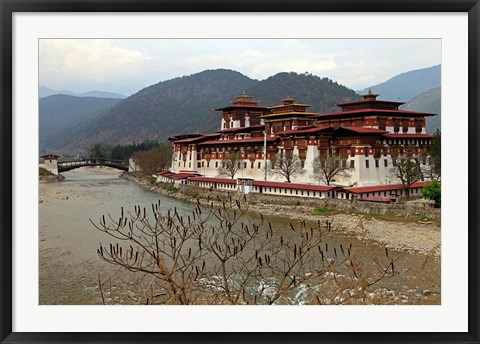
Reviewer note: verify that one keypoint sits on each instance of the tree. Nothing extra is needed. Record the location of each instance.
(328, 166)
(230, 164)
(212, 256)
(406, 168)
(287, 167)
(432, 191)
(100, 151)
(435, 158)
(155, 159)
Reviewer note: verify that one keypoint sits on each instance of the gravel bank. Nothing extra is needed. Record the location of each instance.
(423, 238)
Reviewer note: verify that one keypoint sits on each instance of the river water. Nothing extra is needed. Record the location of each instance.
(70, 268)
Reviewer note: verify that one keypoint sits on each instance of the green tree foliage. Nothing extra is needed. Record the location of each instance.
(436, 153)
(100, 151)
(122, 152)
(433, 192)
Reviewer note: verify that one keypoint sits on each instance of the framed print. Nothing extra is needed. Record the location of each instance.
(322, 119)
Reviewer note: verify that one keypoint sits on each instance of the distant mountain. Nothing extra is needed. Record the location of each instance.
(405, 86)
(429, 101)
(45, 92)
(60, 112)
(184, 105)
(321, 93)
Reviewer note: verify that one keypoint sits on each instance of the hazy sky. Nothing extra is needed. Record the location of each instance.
(127, 65)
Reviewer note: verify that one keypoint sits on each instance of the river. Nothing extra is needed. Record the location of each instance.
(70, 267)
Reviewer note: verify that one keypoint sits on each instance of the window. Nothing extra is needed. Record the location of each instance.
(216, 164)
(199, 164)
(382, 125)
(245, 165)
(376, 164)
(385, 162)
(208, 163)
(396, 126)
(352, 165)
(367, 164)
(418, 126)
(259, 165)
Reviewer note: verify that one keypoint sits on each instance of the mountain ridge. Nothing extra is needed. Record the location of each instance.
(405, 86)
(185, 105)
(44, 91)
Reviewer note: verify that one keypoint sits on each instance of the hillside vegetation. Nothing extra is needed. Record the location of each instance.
(429, 101)
(185, 105)
(59, 113)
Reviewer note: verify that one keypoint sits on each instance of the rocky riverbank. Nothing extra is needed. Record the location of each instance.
(50, 178)
(404, 235)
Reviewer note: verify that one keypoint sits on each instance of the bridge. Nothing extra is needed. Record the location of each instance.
(55, 166)
(65, 166)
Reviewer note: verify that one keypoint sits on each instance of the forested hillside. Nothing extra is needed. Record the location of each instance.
(185, 105)
(60, 113)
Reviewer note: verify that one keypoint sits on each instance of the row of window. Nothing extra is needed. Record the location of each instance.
(259, 164)
(377, 163)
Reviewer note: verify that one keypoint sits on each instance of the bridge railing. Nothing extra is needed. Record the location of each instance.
(70, 164)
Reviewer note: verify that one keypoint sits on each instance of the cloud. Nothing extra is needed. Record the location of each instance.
(127, 65)
(95, 60)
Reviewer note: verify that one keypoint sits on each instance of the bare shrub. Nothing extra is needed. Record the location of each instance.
(216, 256)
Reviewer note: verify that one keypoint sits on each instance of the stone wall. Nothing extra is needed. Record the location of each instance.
(192, 194)
(399, 209)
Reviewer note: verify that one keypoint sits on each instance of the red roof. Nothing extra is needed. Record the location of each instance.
(371, 101)
(250, 128)
(378, 199)
(389, 187)
(362, 130)
(307, 187)
(302, 131)
(369, 111)
(242, 107)
(197, 139)
(240, 141)
(213, 180)
(409, 136)
(171, 175)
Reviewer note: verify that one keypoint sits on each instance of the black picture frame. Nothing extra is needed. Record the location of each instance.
(9, 7)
